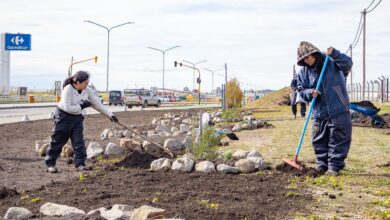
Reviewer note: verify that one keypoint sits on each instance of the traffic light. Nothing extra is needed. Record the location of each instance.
(95, 59)
(175, 63)
(198, 80)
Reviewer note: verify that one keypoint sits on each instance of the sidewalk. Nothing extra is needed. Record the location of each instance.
(28, 105)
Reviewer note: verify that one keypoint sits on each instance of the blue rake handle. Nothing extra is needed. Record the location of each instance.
(311, 109)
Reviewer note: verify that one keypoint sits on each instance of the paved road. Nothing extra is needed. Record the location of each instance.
(11, 115)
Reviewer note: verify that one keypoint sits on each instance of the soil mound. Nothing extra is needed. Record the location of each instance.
(311, 172)
(6, 192)
(137, 160)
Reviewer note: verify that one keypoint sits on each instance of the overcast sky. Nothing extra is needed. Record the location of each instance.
(257, 39)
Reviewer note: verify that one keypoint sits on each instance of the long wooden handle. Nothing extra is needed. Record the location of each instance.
(135, 132)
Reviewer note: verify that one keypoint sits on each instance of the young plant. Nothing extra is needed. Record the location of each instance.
(206, 147)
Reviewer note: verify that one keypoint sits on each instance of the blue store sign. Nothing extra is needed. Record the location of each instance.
(17, 41)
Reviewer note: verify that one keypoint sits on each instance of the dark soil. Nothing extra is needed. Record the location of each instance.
(310, 172)
(5, 192)
(185, 195)
(137, 160)
(182, 195)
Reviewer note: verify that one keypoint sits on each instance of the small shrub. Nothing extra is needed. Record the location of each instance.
(230, 114)
(227, 155)
(207, 146)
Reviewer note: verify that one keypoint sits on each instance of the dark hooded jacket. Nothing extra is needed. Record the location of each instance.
(333, 99)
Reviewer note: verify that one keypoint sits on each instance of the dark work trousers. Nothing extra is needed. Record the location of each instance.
(66, 126)
(294, 105)
(331, 141)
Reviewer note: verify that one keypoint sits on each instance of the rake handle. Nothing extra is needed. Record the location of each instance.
(311, 109)
(135, 132)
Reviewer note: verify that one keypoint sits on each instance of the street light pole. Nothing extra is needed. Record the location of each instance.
(108, 44)
(193, 65)
(212, 77)
(163, 53)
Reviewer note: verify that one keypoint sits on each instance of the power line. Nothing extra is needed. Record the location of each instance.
(374, 7)
(357, 31)
(370, 4)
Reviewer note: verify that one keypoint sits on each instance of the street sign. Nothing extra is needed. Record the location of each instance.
(17, 41)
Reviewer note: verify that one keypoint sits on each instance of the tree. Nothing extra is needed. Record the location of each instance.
(234, 94)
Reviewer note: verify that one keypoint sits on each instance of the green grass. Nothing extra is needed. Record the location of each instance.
(362, 189)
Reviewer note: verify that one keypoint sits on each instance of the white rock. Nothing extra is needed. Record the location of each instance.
(147, 212)
(176, 120)
(184, 128)
(118, 212)
(118, 134)
(223, 168)
(176, 133)
(184, 164)
(187, 142)
(151, 148)
(154, 122)
(240, 154)
(165, 134)
(173, 129)
(254, 153)
(205, 167)
(100, 210)
(161, 128)
(186, 121)
(94, 149)
(173, 144)
(113, 149)
(128, 134)
(107, 133)
(17, 213)
(150, 133)
(155, 137)
(165, 122)
(258, 161)
(245, 166)
(236, 128)
(52, 209)
(160, 164)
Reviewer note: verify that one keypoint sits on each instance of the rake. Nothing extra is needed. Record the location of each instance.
(294, 163)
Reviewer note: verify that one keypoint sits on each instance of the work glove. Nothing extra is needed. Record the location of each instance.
(85, 104)
(114, 118)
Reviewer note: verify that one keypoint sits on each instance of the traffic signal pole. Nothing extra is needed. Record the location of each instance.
(194, 68)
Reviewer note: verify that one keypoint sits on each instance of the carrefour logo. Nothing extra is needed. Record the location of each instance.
(17, 41)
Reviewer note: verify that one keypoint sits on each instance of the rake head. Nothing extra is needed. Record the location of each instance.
(293, 163)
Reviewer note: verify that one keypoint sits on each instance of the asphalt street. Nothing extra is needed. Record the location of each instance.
(12, 115)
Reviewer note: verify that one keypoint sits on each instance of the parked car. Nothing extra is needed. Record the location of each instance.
(171, 98)
(141, 97)
(116, 97)
(165, 98)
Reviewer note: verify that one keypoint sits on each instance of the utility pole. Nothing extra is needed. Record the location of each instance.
(364, 52)
(350, 72)
(226, 86)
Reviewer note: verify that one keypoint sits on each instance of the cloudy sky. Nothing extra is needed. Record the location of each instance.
(257, 39)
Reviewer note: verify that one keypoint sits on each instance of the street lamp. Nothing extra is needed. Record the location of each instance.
(193, 65)
(212, 75)
(108, 43)
(163, 53)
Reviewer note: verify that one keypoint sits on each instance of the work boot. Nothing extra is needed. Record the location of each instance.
(333, 173)
(52, 169)
(320, 170)
(83, 168)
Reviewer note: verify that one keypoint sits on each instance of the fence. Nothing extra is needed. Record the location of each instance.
(375, 91)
